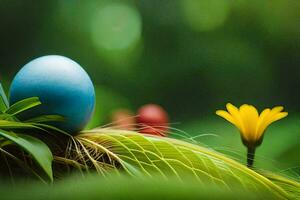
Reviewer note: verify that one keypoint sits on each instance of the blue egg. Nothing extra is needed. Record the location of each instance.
(64, 88)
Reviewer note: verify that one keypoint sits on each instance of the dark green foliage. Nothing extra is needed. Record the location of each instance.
(12, 133)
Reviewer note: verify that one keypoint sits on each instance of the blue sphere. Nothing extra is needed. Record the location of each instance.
(64, 88)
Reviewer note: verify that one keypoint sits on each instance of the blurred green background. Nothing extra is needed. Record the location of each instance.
(189, 56)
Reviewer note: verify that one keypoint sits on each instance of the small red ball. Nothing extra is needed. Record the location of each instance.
(153, 119)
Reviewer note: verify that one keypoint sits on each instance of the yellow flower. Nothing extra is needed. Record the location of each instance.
(250, 123)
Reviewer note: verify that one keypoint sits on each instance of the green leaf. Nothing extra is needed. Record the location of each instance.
(39, 151)
(46, 118)
(23, 105)
(5, 124)
(3, 100)
(152, 155)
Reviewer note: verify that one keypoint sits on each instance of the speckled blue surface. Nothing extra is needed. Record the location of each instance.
(63, 87)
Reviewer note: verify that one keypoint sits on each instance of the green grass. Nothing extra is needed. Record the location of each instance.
(124, 187)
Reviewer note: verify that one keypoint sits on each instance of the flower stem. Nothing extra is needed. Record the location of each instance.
(250, 156)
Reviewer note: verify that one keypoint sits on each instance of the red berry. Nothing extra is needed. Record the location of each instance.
(153, 119)
(123, 119)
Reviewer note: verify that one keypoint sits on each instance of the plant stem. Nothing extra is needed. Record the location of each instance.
(250, 156)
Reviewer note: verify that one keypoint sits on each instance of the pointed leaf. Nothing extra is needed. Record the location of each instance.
(39, 151)
(6, 124)
(23, 105)
(3, 100)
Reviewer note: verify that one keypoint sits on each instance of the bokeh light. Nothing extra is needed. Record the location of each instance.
(116, 26)
(203, 15)
(116, 33)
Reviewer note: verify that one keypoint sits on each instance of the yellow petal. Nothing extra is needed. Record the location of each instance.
(249, 117)
(279, 116)
(273, 112)
(234, 111)
(261, 120)
(277, 109)
(226, 116)
(274, 115)
(231, 107)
